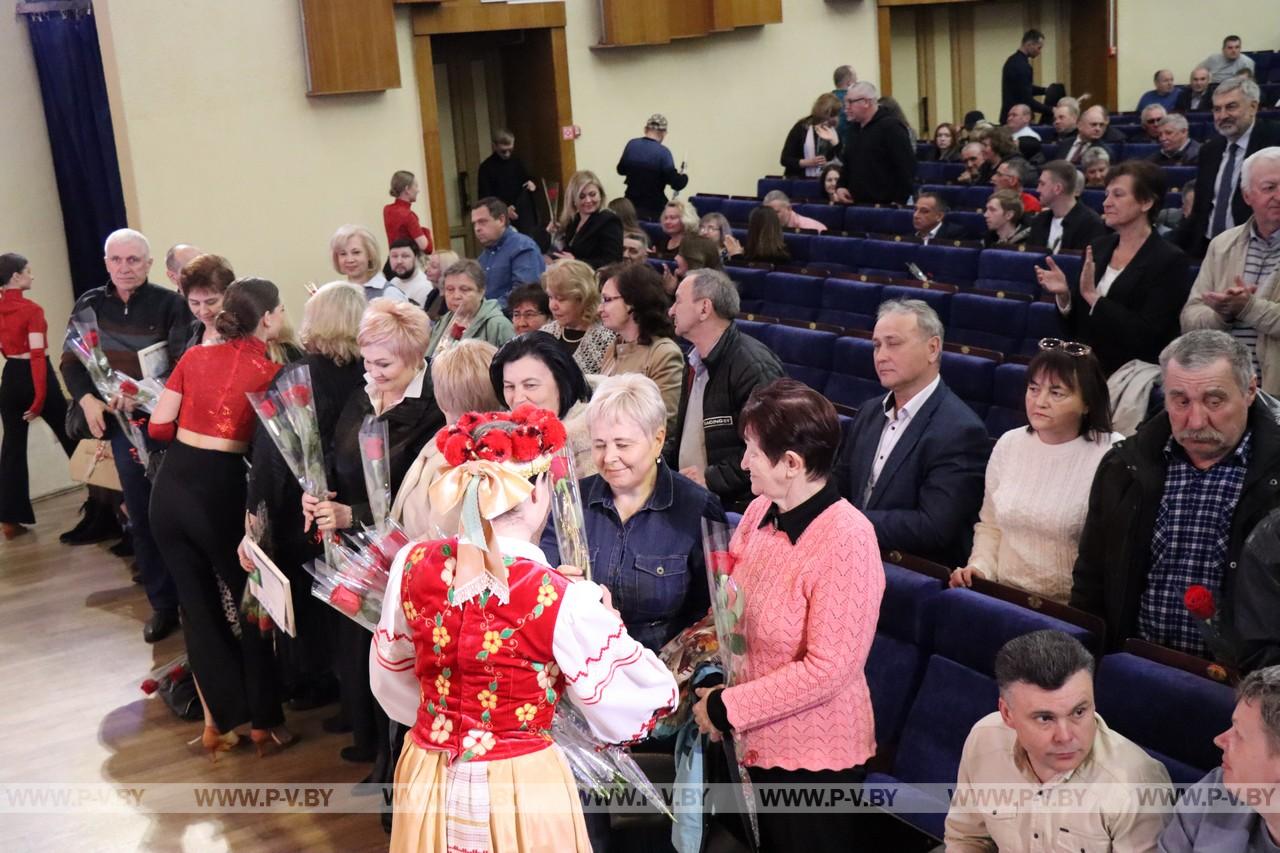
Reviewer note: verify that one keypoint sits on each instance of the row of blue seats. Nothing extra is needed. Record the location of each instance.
(961, 198)
(849, 218)
(842, 369)
(1135, 149)
(931, 676)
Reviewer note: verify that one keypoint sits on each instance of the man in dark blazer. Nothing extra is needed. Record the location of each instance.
(1064, 223)
(915, 461)
(1198, 96)
(1236, 119)
(929, 220)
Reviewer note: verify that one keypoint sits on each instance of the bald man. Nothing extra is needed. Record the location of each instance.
(178, 256)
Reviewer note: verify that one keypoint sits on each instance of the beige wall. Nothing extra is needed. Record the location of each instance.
(222, 148)
(730, 97)
(1177, 34)
(31, 219)
(903, 62)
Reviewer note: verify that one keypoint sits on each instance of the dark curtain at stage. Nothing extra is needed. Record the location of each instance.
(76, 111)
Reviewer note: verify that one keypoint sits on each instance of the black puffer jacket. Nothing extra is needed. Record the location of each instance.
(735, 366)
(1115, 546)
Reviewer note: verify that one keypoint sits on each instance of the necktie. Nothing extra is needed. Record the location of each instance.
(1077, 150)
(1226, 188)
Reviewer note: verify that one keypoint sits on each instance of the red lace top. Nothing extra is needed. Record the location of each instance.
(213, 381)
(23, 331)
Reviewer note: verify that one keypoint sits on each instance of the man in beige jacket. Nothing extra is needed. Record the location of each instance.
(1238, 288)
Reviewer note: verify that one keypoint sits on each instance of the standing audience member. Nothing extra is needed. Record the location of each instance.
(1174, 506)
(787, 215)
(26, 392)
(1017, 84)
(1004, 220)
(530, 311)
(1238, 286)
(843, 77)
(726, 367)
(398, 217)
(1130, 310)
(1177, 148)
(1047, 731)
(1231, 62)
(634, 307)
(178, 256)
(355, 255)
(913, 461)
(1197, 96)
(132, 314)
(648, 167)
(1165, 93)
(678, 219)
(1095, 164)
(814, 141)
(879, 156)
(509, 258)
(1027, 536)
(809, 569)
(198, 513)
(203, 283)
(470, 315)
(1250, 766)
(764, 238)
(929, 219)
(402, 259)
(1064, 223)
(574, 297)
(587, 229)
(1220, 204)
(504, 176)
(946, 144)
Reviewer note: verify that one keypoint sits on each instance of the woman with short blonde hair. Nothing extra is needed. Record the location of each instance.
(574, 297)
(678, 218)
(331, 321)
(355, 254)
(400, 327)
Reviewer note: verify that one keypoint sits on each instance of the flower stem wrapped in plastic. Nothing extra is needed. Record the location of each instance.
(603, 769)
(174, 670)
(566, 513)
(352, 578)
(377, 473)
(298, 398)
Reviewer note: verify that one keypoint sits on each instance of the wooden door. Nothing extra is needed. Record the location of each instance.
(1093, 62)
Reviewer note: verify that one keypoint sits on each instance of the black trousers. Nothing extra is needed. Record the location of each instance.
(197, 519)
(17, 392)
(156, 578)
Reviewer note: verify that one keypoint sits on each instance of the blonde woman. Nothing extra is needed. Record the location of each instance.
(588, 230)
(574, 297)
(461, 379)
(678, 218)
(355, 255)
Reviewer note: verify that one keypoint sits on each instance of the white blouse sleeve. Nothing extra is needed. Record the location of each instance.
(391, 675)
(620, 686)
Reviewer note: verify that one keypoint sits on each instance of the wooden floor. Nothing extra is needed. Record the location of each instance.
(71, 662)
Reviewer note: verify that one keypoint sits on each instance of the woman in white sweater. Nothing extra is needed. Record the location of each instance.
(1039, 476)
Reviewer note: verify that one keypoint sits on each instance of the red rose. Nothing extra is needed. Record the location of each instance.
(387, 547)
(177, 673)
(457, 331)
(128, 388)
(553, 435)
(457, 449)
(300, 395)
(91, 339)
(494, 445)
(150, 686)
(559, 469)
(722, 562)
(267, 408)
(372, 448)
(345, 600)
(1199, 602)
(525, 446)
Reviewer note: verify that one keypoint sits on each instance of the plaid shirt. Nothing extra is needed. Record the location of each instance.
(1189, 546)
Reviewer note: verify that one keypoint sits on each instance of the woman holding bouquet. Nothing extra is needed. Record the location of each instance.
(197, 512)
(25, 390)
(393, 342)
(476, 648)
(809, 569)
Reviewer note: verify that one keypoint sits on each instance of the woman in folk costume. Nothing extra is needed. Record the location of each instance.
(478, 642)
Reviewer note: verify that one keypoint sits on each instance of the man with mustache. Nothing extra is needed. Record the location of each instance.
(1175, 506)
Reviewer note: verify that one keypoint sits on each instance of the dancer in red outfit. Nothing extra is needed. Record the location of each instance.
(25, 390)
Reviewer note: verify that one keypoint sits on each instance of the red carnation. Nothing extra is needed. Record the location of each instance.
(345, 600)
(150, 686)
(267, 408)
(457, 449)
(300, 395)
(470, 421)
(129, 388)
(525, 446)
(1199, 602)
(372, 447)
(494, 445)
(521, 413)
(722, 562)
(553, 435)
(91, 339)
(444, 435)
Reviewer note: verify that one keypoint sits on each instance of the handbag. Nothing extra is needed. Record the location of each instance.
(93, 465)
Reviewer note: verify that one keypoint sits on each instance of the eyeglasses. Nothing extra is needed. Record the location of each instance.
(607, 299)
(855, 100)
(1071, 348)
(526, 315)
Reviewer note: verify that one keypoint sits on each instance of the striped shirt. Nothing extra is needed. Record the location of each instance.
(1260, 264)
(1189, 545)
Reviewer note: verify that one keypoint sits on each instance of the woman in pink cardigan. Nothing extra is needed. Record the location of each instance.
(810, 571)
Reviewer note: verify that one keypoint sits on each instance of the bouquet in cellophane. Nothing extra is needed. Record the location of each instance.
(600, 768)
(85, 342)
(566, 513)
(250, 606)
(352, 578)
(298, 398)
(684, 654)
(377, 472)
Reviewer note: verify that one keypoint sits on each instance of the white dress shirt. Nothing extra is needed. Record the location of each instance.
(896, 422)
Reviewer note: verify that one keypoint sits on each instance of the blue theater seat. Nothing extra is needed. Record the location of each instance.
(877, 220)
(1176, 176)
(806, 354)
(705, 204)
(830, 215)
(939, 300)
(806, 188)
(971, 377)
(764, 186)
(754, 328)
(791, 296)
(738, 210)
(1094, 198)
(973, 223)
(901, 648)
(851, 304)
(835, 253)
(1043, 321)
(798, 246)
(929, 172)
(886, 257)
(1127, 687)
(987, 321)
(751, 288)
(950, 264)
(1008, 405)
(853, 375)
(653, 229)
(1140, 150)
(1009, 270)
